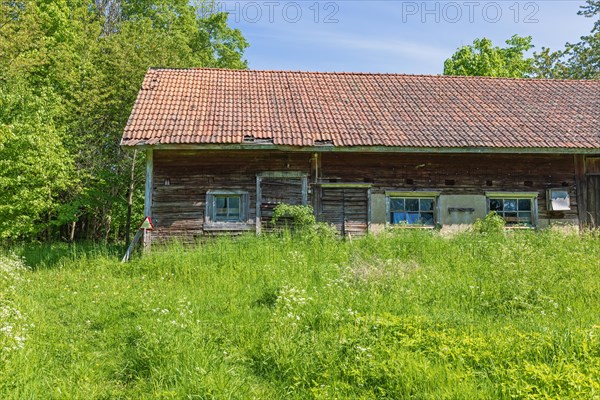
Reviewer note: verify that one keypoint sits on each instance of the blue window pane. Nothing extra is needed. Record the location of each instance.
(396, 204)
(524, 204)
(525, 218)
(426, 204)
(412, 218)
(510, 204)
(227, 208)
(412, 204)
(398, 217)
(427, 218)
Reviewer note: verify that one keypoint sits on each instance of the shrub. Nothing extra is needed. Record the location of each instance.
(303, 220)
(491, 224)
(303, 217)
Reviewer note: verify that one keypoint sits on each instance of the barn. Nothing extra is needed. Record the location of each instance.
(367, 151)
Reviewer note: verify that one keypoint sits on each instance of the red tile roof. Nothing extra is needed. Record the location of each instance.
(215, 106)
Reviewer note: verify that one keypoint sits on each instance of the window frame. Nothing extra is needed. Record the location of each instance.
(531, 196)
(425, 195)
(549, 194)
(210, 216)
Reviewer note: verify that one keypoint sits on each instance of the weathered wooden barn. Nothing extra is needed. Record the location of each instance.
(367, 151)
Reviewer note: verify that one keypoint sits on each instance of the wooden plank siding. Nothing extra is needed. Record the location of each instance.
(592, 185)
(346, 207)
(178, 208)
(459, 174)
(275, 191)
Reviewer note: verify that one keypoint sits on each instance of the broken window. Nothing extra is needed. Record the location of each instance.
(559, 200)
(516, 209)
(412, 210)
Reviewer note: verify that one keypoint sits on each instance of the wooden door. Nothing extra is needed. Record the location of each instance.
(276, 190)
(592, 191)
(347, 208)
(593, 200)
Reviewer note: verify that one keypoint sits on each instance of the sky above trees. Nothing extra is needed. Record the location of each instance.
(392, 36)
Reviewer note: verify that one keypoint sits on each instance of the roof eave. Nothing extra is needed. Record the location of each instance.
(367, 149)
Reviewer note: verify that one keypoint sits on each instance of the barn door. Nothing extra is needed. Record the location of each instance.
(276, 188)
(347, 208)
(593, 200)
(593, 191)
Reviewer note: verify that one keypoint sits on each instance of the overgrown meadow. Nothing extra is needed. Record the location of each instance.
(405, 314)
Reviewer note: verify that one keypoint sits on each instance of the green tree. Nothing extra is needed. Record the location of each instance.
(482, 58)
(36, 174)
(579, 60)
(88, 59)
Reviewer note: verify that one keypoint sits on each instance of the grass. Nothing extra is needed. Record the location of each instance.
(406, 314)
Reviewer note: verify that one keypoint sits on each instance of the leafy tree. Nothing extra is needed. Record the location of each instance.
(79, 64)
(36, 173)
(579, 60)
(482, 58)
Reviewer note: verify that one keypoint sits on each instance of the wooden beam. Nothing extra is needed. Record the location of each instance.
(315, 170)
(369, 210)
(282, 174)
(148, 193)
(304, 190)
(149, 182)
(346, 185)
(129, 251)
(258, 205)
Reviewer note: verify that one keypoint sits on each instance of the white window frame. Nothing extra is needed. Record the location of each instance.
(429, 195)
(211, 206)
(532, 196)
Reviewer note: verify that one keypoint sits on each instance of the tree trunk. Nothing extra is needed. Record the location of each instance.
(72, 231)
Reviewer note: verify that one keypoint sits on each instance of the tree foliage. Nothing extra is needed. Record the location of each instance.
(482, 58)
(69, 73)
(579, 60)
(36, 173)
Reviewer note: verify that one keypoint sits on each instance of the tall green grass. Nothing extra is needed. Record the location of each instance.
(406, 314)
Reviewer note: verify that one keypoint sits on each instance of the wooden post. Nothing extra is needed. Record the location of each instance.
(149, 182)
(147, 235)
(369, 210)
(258, 205)
(148, 193)
(315, 170)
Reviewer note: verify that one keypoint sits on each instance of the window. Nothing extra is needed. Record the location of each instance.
(411, 209)
(227, 206)
(515, 208)
(558, 200)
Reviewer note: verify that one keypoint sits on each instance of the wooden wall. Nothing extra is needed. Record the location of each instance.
(458, 174)
(178, 208)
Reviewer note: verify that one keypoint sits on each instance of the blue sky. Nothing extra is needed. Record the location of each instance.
(392, 36)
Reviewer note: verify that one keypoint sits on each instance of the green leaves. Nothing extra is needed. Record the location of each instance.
(79, 65)
(579, 60)
(483, 59)
(35, 171)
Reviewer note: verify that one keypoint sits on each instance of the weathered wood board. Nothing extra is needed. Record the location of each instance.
(181, 180)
